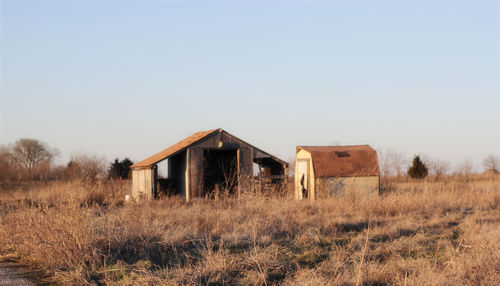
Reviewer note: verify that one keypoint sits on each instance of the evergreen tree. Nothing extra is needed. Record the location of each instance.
(418, 170)
(120, 169)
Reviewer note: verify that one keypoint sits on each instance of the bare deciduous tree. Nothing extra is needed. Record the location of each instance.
(383, 162)
(439, 167)
(491, 163)
(8, 168)
(466, 168)
(392, 162)
(30, 153)
(83, 166)
(6, 155)
(436, 167)
(291, 166)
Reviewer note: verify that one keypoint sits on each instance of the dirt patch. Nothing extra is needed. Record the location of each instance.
(12, 274)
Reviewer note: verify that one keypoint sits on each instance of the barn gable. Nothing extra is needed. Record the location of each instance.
(172, 150)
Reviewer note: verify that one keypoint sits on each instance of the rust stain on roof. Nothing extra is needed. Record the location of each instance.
(343, 161)
(150, 161)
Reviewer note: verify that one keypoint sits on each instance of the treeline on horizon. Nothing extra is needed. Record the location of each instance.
(32, 159)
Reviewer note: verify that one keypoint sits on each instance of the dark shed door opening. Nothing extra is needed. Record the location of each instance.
(220, 172)
(175, 183)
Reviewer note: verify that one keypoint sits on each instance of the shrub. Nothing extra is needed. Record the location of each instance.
(418, 169)
(120, 169)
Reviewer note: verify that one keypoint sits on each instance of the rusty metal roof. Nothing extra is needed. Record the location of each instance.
(343, 161)
(150, 161)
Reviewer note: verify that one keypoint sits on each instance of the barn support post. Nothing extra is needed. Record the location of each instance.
(154, 181)
(239, 171)
(188, 175)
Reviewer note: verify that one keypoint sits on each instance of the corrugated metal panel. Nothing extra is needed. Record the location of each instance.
(343, 161)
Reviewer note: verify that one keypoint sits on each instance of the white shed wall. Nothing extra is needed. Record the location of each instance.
(142, 183)
(302, 154)
(342, 186)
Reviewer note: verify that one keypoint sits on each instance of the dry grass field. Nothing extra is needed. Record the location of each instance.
(432, 232)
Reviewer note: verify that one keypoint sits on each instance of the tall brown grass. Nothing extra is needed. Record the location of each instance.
(439, 231)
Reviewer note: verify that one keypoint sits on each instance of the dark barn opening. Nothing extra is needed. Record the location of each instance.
(220, 172)
(174, 183)
(165, 188)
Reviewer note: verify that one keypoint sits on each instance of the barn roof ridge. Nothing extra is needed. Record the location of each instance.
(186, 142)
(270, 155)
(330, 148)
(353, 145)
(177, 147)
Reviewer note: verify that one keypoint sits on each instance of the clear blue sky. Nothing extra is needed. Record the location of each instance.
(129, 78)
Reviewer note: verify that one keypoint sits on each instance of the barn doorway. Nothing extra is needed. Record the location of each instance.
(174, 183)
(220, 172)
(303, 178)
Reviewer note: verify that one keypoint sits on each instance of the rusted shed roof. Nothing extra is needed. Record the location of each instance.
(150, 161)
(343, 161)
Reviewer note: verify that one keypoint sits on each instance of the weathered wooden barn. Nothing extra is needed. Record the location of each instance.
(331, 171)
(202, 164)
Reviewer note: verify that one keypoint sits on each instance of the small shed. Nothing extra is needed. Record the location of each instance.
(202, 164)
(330, 171)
